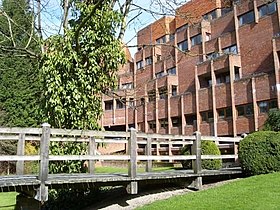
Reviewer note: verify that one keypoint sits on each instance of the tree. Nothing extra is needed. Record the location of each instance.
(272, 123)
(19, 84)
(81, 65)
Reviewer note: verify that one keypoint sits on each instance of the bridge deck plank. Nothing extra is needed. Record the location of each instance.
(60, 179)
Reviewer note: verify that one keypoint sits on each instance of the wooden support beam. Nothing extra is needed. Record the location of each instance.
(149, 153)
(42, 191)
(20, 152)
(92, 152)
(132, 166)
(132, 149)
(196, 150)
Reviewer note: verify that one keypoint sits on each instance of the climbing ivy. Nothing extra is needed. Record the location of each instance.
(81, 65)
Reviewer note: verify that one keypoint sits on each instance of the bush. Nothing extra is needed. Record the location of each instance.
(207, 148)
(273, 121)
(31, 167)
(259, 153)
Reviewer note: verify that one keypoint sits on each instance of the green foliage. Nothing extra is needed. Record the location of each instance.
(19, 83)
(31, 167)
(259, 153)
(273, 121)
(67, 148)
(210, 148)
(207, 148)
(81, 65)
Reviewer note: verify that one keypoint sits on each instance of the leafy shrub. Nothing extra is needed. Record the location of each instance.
(67, 148)
(259, 153)
(273, 121)
(207, 148)
(31, 167)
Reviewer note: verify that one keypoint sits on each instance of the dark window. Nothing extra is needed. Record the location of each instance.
(174, 90)
(183, 46)
(149, 60)
(225, 113)
(213, 55)
(246, 18)
(152, 95)
(226, 10)
(228, 112)
(265, 106)
(171, 71)
(204, 116)
(190, 119)
(152, 124)
(163, 123)
(131, 102)
(139, 64)
(240, 111)
(207, 116)
(222, 78)
(196, 39)
(205, 81)
(120, 104)
(245, 110)
(162, 93)
(221, 113)
(109, 105)
(158, 57)
(230, 50)
(161, 40)
(267, 9)
(127, 85)
(249, 109)
(176, 121)
(142, 101)
(182, 28)
(160, 74)
(171, 37)
(210, 16)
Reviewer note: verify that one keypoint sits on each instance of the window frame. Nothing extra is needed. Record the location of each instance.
(246, 18)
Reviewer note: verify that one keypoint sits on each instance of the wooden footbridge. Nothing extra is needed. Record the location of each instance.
(140, 147)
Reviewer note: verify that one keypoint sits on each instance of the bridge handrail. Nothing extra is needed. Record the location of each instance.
(132, 138)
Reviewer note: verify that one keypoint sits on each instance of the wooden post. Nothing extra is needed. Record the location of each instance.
(20, 151)
(196, 150)
(92, 151)
(148, 153)
(132, 188)
(42, 192)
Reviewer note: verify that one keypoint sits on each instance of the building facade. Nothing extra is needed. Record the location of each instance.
(212, 68)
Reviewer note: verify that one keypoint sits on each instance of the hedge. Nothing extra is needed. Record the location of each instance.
(259, 153)
(207, 148)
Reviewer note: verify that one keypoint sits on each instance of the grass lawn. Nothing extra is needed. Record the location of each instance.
(258, 192)
(8, 200)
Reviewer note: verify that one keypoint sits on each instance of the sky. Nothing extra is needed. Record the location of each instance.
(51, 17)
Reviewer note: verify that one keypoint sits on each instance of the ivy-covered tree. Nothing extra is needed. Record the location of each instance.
(81, 65)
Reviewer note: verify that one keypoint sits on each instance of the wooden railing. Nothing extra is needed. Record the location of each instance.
(132, 139)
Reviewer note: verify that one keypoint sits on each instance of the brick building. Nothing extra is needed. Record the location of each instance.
(214, 67)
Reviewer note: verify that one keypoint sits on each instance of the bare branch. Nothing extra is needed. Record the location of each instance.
(10, 28)
(17, 51)
(65, 14)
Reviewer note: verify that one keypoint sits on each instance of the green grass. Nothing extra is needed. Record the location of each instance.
(258, 192)
(8, 200)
